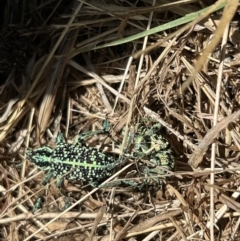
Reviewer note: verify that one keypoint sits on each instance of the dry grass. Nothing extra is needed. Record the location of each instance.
(66, 64)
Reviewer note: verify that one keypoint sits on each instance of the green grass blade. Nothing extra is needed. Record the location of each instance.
(188, 18)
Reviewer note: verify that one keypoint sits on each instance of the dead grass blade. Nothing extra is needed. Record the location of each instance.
(197, 156)
(228, 13)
